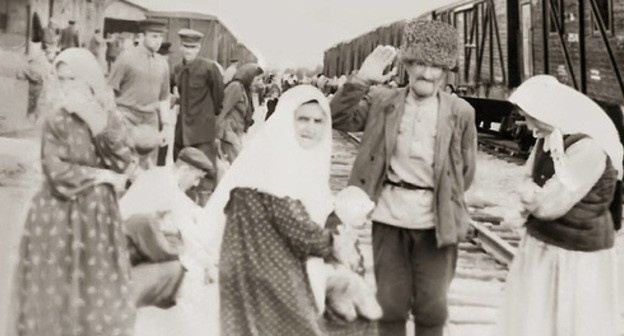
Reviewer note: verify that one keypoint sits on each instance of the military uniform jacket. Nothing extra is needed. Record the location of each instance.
(201, 93)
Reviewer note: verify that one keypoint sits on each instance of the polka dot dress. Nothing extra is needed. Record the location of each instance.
(263, 285)
(74, 272)
(264, 288)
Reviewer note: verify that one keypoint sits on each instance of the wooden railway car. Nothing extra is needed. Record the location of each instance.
(218, 44)
(581, 42)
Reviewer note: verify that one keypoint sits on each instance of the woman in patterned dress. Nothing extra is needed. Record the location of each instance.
(73, 274)
(272, 205)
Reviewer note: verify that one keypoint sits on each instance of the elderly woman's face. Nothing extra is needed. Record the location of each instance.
(310, 125)
(540, 129)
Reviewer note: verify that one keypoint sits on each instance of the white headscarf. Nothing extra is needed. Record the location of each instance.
(86, 67)
(568, 111)
(276, 164)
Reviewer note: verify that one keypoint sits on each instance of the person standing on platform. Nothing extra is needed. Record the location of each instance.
(417, 158)
(200, 86)
(237, 110)
(564, 279)
(39, 73)
(97, 46)
(69, 36)
(140, 78)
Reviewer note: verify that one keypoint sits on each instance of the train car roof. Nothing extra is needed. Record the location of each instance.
(455, 5)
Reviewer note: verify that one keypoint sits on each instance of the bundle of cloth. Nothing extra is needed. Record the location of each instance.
(348, 294)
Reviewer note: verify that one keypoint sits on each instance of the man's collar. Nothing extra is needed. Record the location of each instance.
(146, 51)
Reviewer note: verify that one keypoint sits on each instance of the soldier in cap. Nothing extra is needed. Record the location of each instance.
(200, 85)
(416, 161)
(140, 78)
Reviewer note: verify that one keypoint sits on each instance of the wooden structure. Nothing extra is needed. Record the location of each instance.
(581, 42)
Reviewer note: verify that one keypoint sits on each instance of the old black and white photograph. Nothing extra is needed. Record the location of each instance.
(311, 168)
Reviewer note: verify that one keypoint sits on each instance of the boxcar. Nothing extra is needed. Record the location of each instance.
(581, 42)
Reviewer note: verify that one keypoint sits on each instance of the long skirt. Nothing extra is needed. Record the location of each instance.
(557, 292)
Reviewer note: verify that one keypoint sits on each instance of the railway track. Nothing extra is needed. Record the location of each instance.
(477, 289)
(503, 149)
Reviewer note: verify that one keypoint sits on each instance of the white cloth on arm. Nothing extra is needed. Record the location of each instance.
(275, 163)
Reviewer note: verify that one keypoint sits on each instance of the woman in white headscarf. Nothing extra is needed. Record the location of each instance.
(271, 206)
(563, 278)
(74, 270)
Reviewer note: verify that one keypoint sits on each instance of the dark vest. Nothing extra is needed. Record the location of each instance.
(589, 225)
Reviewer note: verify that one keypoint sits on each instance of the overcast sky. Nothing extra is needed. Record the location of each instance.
(292, 33)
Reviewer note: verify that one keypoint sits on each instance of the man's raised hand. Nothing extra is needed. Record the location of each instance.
(375, 63)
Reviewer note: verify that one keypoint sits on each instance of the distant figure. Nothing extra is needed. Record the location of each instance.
(140, 78)
(113, 48)
(69, 36)
(97, 46)
(200, 85)
(39, 72)
(237, 110)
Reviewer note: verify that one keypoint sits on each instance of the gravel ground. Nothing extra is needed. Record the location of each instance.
(494, 186)
(493, 190)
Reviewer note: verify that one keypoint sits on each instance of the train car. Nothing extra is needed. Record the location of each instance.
(218, 44)
(504, 42)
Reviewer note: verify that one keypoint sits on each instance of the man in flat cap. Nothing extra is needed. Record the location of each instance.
(165, 228)
(140, 78)
(416, 160)
(200, 86)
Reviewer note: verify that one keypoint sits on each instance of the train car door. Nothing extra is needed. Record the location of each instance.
(527, 45)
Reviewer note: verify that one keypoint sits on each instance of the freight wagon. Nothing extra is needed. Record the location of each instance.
(581, 42)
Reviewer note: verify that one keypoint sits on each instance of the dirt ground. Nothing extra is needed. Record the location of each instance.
(20, 175)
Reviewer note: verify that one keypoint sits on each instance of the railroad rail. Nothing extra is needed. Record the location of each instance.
(477, 288)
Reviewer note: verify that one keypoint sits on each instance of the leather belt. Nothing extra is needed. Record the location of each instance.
(406, 185)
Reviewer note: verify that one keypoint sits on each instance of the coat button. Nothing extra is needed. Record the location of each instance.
(372, 158)
(363, 181)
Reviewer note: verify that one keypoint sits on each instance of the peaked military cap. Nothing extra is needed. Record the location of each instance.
(153, 25)
(190, 37)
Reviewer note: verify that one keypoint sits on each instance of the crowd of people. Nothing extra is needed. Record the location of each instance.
(162, 184)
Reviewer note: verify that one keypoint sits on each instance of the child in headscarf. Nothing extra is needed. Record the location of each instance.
(237, 110)
(271, 205)
(563, 278)
(74, 269)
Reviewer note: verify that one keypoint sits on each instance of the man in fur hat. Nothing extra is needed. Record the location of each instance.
(416, 160)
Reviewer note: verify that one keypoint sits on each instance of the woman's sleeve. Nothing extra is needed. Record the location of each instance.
(66, 177)
(114, 144)
(585, 163)
(305, 238)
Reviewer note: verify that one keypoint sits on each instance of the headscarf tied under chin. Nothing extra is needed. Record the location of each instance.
(275, 163)
(568, 111)
(86, 69)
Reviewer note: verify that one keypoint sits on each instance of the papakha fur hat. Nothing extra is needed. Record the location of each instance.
(430, 42)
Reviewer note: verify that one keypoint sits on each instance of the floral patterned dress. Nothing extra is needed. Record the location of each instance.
(264, 288)
(74, 272)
